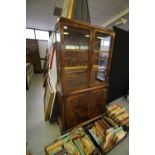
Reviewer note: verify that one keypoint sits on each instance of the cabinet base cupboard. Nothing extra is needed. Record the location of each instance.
(83, 54)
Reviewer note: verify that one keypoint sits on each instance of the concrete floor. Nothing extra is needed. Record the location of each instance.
(40, 133)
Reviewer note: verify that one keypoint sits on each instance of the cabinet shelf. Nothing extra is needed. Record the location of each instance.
(76, 50)
(99, 68)
(101, 51)
(76, 69)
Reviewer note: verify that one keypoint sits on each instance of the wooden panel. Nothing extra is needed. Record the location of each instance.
(77, 109)
(85, 25)
(75, 57)
(58, 61)
(97, 102)
(84, 90)
(32, 54)
(61, 111)
(75, 81)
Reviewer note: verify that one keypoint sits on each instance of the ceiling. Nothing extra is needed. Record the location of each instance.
(39, 13)
(122, 26)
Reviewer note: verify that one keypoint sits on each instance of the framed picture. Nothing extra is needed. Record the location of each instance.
(48, 100)
(101, 75)
(103, 59)
(67, 9)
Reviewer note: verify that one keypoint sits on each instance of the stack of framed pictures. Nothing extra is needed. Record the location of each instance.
(48, 99)
(51, 81)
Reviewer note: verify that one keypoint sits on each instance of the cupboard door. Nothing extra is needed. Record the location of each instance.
(32, 54)
(77, 109)
(76, 55)
(100, 58)
(97, 102)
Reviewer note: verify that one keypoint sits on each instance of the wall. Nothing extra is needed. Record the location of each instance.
(42, 45)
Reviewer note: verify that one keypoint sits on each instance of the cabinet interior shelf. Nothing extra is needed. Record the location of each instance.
(76, 50)
(76, 69)
(101, 51)
(97, 67)
(84, 68)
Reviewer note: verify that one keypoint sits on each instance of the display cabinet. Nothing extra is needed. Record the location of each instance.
(83, 54)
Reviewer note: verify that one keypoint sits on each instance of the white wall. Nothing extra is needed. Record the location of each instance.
(42, 45)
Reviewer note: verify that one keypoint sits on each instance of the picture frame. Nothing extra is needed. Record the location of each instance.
(48, 100)
(67, 9)
(103, 59)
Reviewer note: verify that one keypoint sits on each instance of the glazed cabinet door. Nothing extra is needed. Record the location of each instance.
(77, 109)
(76, 48)
(100, 58)
(97, 102)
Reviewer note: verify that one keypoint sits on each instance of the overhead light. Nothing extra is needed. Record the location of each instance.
(66, 33)
(87, 35)
(65, 27)
(100, 38)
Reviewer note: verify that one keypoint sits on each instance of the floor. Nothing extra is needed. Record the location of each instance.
(40, 133)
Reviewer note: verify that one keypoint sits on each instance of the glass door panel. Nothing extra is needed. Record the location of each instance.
(76, 38)
(100, 58)
(76, 48)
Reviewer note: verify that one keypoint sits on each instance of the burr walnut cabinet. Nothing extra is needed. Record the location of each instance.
(83, 54)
